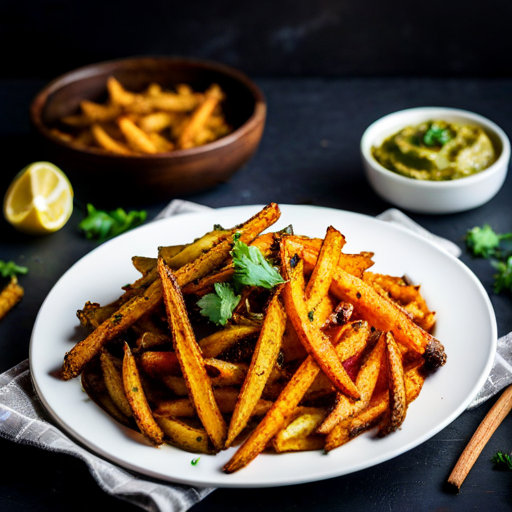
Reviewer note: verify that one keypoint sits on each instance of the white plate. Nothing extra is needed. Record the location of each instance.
(466, 326)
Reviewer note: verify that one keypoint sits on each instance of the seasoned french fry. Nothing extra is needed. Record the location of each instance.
(320, 280)
(137, 400)
(155, 122)
(137, 139)
(98, 113)
(299, 434)
(10, 296)
(144, 264)
(220, 341)
(113, 377)
(93, 384)
(162, 144)
(118, 94)
(263, 360)
(105, 141)
(157, 364)
(184, 436)
(397, 389)
(225, 397)
(365, 382)
(191, 360)
(310, 335)
(199, 118)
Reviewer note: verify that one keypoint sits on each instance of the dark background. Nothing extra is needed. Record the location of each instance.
(45, 38)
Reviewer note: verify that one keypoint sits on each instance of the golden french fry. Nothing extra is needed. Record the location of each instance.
(221, 340)
(310, 335)
(321, 277)
(225, 397)
(137, 399)
(137, 139)
(144, 264)
(162, 144)
(155, 122)
(118, 94)
(213, 96)
(93, 384)
(10, 296)
(184, 436)
(98, 113)
(365, 382)
(151, 340)
(263, 360)
(190, 359)
(105, 141)
(113, 376)
(397, 389)
(299, 434)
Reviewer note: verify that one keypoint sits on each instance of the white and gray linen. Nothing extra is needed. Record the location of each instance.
(23, 419)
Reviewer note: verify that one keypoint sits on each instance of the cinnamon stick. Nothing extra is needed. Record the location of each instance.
(483, 433)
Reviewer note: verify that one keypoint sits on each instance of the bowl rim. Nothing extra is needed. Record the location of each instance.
(374, 128)
(38, 103)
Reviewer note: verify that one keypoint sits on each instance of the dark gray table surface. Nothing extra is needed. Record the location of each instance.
(309, 155)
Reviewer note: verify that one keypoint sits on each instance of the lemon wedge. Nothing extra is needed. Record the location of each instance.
(39, 200)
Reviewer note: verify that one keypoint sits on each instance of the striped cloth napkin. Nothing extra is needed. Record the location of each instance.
(23, 419)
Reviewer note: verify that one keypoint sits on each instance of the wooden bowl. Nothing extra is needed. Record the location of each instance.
(95, 173)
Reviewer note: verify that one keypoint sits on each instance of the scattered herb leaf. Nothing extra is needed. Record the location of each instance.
(482, 241)
(219, 306)
(101, 225)
(252, 269)
(503, 276)
(10, 269)
(437, 136)
(502, 460)
(195, 461)
(486, 243)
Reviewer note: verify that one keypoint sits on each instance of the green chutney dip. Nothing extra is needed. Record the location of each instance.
(436, 151)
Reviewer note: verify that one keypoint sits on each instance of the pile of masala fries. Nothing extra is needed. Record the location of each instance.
(148, 122)
(309, 364)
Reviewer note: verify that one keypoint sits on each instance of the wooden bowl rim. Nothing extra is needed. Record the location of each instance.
(90, 70)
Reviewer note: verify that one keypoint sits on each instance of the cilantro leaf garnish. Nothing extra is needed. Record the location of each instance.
(194, 461)
(482, 241)
(503, 276)
(101, 225)
(219, 306)
(10, 269)
(502, 460)
(252, 269)
(437, 136)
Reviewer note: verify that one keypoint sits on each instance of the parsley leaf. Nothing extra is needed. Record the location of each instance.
(482, 241)
(503, 277)
(219, 306)
(503, 460)
(101, 225)
(9, 269)
(252, 269)
(437, 136)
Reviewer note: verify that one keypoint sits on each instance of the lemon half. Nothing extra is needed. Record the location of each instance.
(39, 200)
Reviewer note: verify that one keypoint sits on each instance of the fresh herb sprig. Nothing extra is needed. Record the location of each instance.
(484, 242)
(10, 269)
(101, 225)
(502, 460)
(251, 269)
(437, 136)
(219, 306)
